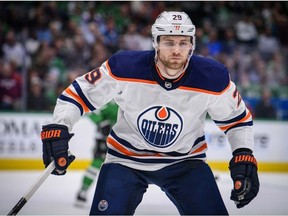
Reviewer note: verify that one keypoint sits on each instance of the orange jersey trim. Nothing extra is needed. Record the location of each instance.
(125, 151)
(201, 148)
(158, 71)
(77, 98)
(224, 128)
(154, 82)
(160, 75)
(205, 91)
(127, 79)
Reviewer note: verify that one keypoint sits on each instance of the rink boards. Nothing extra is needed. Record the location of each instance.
(21, 147)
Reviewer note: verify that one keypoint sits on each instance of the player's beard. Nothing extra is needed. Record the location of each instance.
(171, 64)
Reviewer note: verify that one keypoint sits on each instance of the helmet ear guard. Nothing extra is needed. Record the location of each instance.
(173, 23)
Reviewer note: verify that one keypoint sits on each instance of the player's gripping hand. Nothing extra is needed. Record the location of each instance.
(55, 140)
(243, 171)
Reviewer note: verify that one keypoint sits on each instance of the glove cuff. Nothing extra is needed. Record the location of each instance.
(243, 158)
(242, 150)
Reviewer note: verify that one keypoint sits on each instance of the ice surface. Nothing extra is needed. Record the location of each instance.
(56, 196)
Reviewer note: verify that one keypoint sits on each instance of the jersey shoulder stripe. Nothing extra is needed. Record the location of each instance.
(207, 75)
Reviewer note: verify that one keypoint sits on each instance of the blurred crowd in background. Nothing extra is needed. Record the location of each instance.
(44, 46)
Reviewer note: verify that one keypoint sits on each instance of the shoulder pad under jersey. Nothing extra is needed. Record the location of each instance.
(132, 65)
(207, 74)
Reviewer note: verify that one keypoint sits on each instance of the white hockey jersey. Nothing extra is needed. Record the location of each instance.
(160, 121)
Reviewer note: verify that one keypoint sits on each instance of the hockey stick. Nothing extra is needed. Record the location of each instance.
(32, 189)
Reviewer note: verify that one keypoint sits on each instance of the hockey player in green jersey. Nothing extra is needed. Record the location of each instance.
(104, 119)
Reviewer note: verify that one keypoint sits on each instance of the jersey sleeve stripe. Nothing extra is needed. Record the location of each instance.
(250, 123)
(244, 119)
(77, 98)
(205, 91)
(83, 97)
(224, 128)
(64, 98)
(237, 118)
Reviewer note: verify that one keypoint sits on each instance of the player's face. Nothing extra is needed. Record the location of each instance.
(173, 51)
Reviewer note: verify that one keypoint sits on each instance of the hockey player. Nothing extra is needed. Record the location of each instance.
(164, 96)
(104, 119)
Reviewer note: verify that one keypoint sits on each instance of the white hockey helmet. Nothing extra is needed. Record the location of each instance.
(173, 23)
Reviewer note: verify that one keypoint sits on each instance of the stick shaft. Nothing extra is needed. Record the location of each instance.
(32, 189)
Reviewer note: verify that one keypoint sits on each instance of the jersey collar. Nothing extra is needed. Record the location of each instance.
(168, 84)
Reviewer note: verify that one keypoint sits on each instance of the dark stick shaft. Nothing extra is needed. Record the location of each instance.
(18, 206)
(33, 189)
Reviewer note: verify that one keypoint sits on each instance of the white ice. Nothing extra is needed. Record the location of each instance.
(56, 196)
